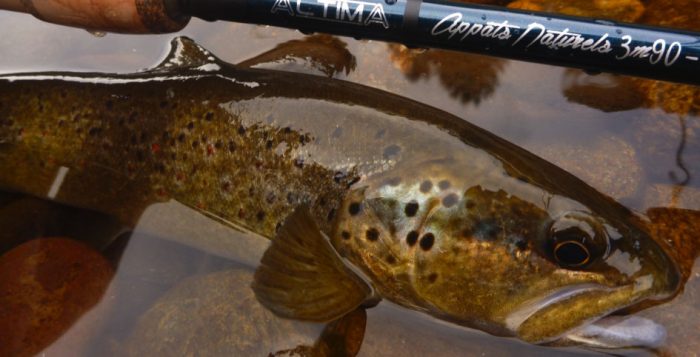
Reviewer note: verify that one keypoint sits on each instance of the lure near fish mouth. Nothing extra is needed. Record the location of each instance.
(363, 194)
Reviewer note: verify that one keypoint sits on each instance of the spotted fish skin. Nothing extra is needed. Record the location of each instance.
(441, 216)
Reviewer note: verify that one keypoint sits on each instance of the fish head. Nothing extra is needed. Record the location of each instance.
(509, 258)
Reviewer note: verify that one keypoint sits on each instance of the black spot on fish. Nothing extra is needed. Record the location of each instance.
(411, 209)
(269, 144)
(337, 132)
(426, 186)
(231, 146)
(331, 214)
(345, 235)
(390, 259)
(432, 277)
(444, 184)
(260, 215)
(391, 151)
(181, 137)
(520, 243)
(190, 125)
(299, 162)
(195, 144)
(450, 200)
(278, 226)
(208, 116)
(427, 241)
(372, 234)
(354, 208)
(412, 238)
(218, 145)
(241, 130)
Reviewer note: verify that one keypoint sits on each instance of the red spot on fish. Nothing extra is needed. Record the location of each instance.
(162, 193)
(210, 150)
(155, 148)
(241, 213)
(180, 176)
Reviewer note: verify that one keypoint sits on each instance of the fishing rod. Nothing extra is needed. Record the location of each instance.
(589, 44)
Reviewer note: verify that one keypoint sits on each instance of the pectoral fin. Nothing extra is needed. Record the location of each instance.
(302, 277)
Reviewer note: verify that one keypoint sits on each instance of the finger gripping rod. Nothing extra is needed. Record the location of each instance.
(593, 45)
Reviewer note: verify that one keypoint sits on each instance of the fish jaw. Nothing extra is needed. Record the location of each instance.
(576, 308)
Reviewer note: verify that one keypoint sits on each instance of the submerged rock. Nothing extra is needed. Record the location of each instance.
(617, 175)
(215, 314)
(621, 10)
(46, 285)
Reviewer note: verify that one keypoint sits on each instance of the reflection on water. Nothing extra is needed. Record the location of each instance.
(469, 78)
(651, 130)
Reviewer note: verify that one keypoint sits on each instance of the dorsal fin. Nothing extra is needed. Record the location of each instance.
(302, 277)
(184, 53)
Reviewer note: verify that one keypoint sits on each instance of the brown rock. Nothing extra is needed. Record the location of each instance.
(45, 286)
(620, 10)
(672, 98)
(682, 14)
(678, 229)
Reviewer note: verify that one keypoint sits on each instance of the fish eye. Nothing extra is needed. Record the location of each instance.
(576, 239)
(571, 254)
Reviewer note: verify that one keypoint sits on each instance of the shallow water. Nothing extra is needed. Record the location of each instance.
(643, 153)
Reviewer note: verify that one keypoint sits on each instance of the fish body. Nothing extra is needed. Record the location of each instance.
(436, 214)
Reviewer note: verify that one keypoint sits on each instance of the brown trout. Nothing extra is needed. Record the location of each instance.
(427, 210)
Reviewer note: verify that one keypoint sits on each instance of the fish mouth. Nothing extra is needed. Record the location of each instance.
(580, 313)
